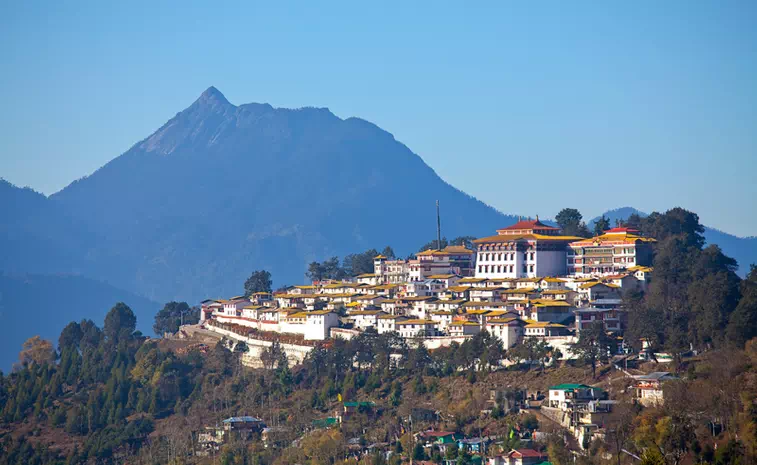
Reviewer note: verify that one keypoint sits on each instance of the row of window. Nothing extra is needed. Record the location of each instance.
(504, 268)
(488, 257)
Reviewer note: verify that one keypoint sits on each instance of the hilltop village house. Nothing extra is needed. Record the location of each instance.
(527, 281)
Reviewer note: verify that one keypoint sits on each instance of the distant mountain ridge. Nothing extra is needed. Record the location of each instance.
(221, 190)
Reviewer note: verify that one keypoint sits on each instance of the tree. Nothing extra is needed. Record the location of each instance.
(434, 245)
(36, 350)
(675, 222)
(742, 323)
(388, 252)
(601, 225)
(465, 241)
(357, 264)
(558, 453)
(70, 336)
(619, 428)
(593, 346)
(120, 323)
(652, 456)
(259, 281)
(569, 220)
(532, 349)
(418, 452)
(633, 221)
(329, 269)
(530, 422)
(174, 314)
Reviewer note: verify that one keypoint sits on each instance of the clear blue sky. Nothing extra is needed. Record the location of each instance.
(593, 105)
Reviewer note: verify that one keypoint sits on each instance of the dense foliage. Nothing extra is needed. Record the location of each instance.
(173, 315)
(694, 290)
(111, 395)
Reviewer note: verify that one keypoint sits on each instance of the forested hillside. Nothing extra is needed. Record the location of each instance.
(109, 395)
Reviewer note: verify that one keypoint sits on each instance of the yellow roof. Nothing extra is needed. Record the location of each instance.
(442, 276)
(429, 252)
(458, 288)
(379, 257)
(609, 238)
(595, 283)
(472, 280)
(551, 303)
(442, 312)
(252, 307)
(522, 290)
(455, 249)
(319, 312)
(485, 304)
(496, 313)
(305, 286)
(556, 291)
(545, 324)
(645, 269)
(550, 279)
(337, 285)
(476, 312)
(298, 315)
(504, 321)
(367, 275)
(463, 323)
(417, 322)
(353, 304)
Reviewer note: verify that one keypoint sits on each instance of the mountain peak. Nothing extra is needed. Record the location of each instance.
(212, 96)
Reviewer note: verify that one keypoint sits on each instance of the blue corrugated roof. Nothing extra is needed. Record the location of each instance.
(243, 419)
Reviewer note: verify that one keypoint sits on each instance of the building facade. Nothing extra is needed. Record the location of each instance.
(527, 249)
(616, 250)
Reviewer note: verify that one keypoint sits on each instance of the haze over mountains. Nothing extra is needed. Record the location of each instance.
(221, 190)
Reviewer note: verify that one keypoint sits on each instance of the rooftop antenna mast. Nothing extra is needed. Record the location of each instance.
(438, 228)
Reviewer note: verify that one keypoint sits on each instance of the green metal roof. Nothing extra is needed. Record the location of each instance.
(568, 387)
(359, 404)
(324, 422)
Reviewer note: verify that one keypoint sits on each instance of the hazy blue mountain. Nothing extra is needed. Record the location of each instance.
(44, 304)
(221, 190)
(743, 249)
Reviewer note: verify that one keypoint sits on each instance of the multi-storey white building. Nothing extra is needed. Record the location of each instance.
(527, 249)
(390, 271)
(509, 330)
(616, 250)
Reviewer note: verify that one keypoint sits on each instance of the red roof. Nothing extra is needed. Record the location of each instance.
(526, 453)
(622, 230)
(529, 224)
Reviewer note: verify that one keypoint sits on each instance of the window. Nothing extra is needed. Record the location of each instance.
(479, 268)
